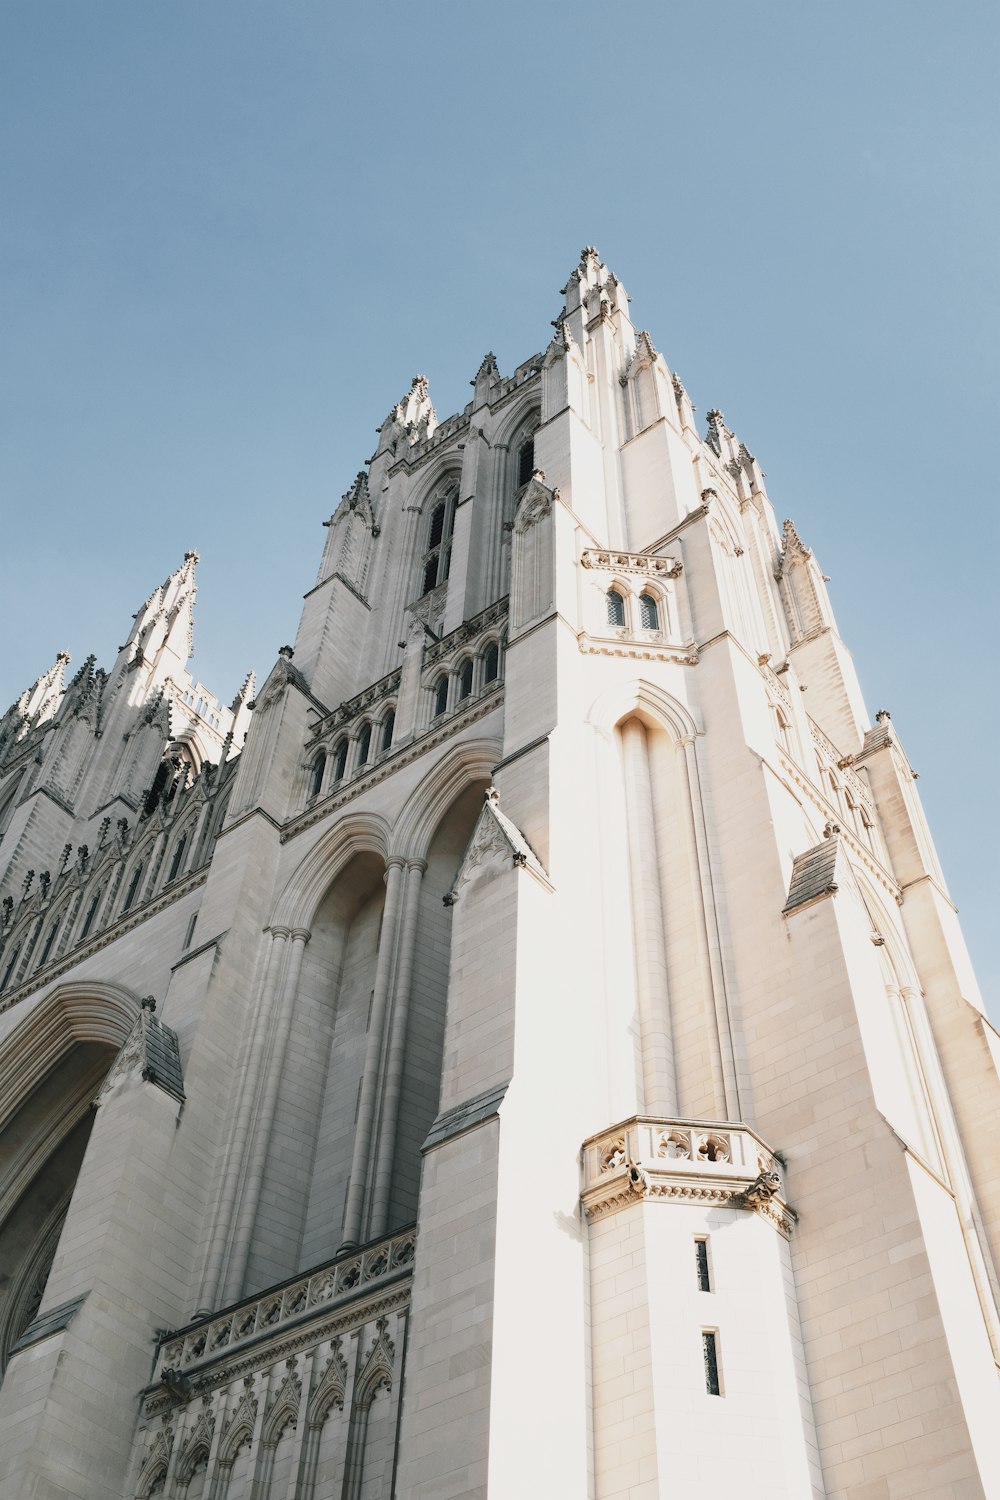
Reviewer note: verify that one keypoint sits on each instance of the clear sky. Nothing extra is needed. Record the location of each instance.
(231, 232)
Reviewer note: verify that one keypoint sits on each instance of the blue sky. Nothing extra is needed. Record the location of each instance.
(232, 232)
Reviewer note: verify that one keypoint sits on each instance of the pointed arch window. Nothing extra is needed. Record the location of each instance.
(49, 942)
(175, 863)
(388, 728)
(649, 613)
(465, 680)
(616, 609)
(133, 890)
(525, 461)
(436, 561)
(364, 745)
(12, 965)
(340, 761)
(88, 921)
(440, 695)
(316, 777)
(491, 662)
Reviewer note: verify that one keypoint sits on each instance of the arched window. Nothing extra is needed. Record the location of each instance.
(12, 965)
(161, 780)
(436, 562)
(91, 914)
(48, 945)
(340, 761)
(649, 614)
(316, 779)
(616, 608)
(491, 662)
(465, 679)
(388, 725)
(440, 695)
(133, 890)
(525, 461)
(364, 744)
(175, 863)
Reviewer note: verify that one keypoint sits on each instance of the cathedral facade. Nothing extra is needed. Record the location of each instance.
(525, 1048)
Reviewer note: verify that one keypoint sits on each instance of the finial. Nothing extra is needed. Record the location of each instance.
(192, 556)
(286, 652)
(148, 1002)
(883, 716)
(830, 830)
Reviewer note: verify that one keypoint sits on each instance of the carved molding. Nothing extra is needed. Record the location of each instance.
(632, 562)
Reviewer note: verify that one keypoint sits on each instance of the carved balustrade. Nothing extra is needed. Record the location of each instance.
(682, 1160)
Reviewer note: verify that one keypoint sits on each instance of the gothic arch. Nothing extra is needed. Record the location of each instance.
(77, 1011)
(436, 480)
(646, 701)
(359, 833)
(464, 763)
(518, 415)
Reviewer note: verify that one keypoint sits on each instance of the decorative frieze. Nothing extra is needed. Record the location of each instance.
(344, 1280)
(683, 1161)
(632, 562)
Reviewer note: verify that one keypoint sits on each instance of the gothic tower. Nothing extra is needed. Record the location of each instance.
(528, 1048)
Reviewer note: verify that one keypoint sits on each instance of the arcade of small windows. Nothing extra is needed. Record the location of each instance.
(203, 708)
(471, 676)
(371, 741)
(436, 562)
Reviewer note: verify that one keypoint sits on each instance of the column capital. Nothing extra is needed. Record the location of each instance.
(420, 865)
(398, 861)
(279, 932)
(301, 934)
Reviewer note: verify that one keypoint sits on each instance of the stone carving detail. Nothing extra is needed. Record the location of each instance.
(536, 502)
(685, 1161)
(632, 562)
(346, 1278)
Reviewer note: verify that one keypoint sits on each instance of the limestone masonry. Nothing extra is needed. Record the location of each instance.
(524, 1049)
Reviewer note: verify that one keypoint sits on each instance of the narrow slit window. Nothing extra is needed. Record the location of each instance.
(440, 696)
(364, 745)
(710, 1355)
(10, 969)
(491, 663)
(465, 680)
(616, 609)
(701, 1265)
(340, 761)
(649, 614)
(48, 945)
(91, 914)
(388, 725)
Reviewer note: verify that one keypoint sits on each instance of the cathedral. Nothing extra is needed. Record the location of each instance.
(522, 1049)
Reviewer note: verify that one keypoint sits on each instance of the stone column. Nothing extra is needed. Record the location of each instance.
(251, 1066)
(264, 1121)
(364, 1130)
(658, 1077)
(385, 1152)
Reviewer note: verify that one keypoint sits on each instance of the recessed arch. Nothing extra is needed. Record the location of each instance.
(461, 764)
(358, 833)
(646, 701)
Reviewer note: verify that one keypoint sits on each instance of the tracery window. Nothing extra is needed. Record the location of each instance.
(616, 609)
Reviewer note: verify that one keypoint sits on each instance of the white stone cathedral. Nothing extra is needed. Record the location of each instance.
(524, 1051)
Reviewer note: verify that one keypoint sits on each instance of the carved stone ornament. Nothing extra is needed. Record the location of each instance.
(151, 1052)
(632, 562)
(495, 839)
(536, 502)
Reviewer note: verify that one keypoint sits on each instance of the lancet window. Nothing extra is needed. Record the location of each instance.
(364, 745)
(316, 778)
(388, 727)
(436, 562)
(465, 679)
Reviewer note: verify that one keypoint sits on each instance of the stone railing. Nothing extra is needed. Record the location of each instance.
(682, 1160)
(349, 1278)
